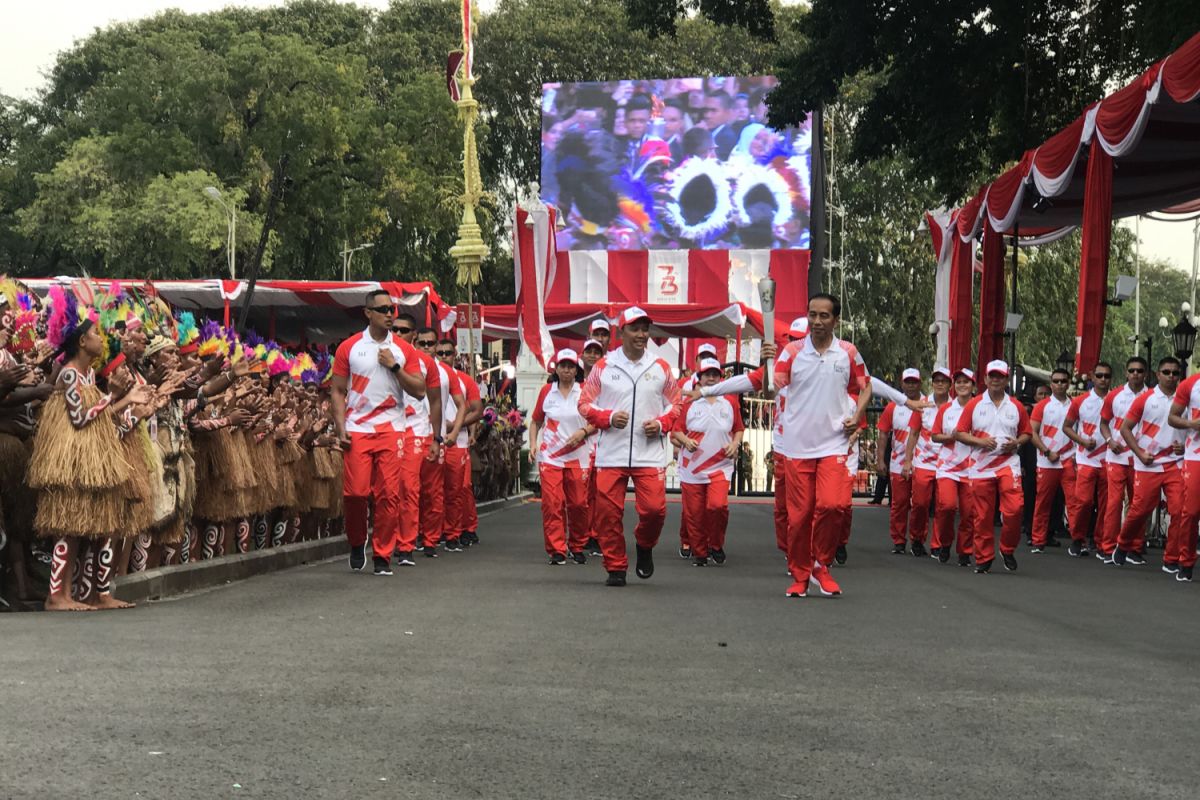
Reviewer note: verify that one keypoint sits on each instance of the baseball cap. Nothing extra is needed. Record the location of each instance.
(938, 369)
(708, 363)
(593, 343)
(997, 366)
(631, 315)
(566, 354)
(965, 372)
(599, 325)
(911, 374)
(707, 347)
(798, 328)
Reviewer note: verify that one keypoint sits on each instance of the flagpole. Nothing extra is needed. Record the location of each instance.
(469, 251)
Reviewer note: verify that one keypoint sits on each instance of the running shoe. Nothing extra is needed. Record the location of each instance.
(918, 549)
(984, 568)
(839, 556)
(1037, 549)
(898, 549)
(557, 560)
(430, 551)
(453, 546)
(700, 561)
(797, 589)
(405, 559)
(358, 556)
(645, 562)
(823, 582)
(1010, 561)
(615, 579)
(944, 555)
(718, 555)
(579, 557)
(1135, 558)
(1170, 569)
(1184, 575)
(685, 552)
(1076, 549)
(592, 548)
(383, 566)
(964, 559)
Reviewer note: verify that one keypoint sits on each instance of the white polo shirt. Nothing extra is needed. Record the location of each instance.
(374, 399)
(1052, 414)
(1147, 417)
(810, 425)
(1188, 396)
(1085, 411)
(1004, 422)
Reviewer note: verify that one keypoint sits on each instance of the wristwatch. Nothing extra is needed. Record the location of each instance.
(394, 368)
(439, 439)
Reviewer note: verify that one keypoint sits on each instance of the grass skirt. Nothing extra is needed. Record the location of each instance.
(142, 496)
(218, 470)
(82, 475)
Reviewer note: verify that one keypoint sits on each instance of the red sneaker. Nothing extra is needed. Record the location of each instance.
(824, 582)
(798, 589)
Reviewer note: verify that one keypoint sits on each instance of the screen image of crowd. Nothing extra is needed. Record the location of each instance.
(683, 163)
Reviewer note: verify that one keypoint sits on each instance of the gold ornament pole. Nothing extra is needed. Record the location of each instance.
(468, 252)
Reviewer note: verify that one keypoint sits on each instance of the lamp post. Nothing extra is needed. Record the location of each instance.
(348, 255)
(214, 193)
(1065, 361)
(1183, 337)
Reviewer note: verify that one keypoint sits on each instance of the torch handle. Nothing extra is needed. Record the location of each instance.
(768, 336)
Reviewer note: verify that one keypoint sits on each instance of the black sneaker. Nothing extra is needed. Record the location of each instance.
(1038, 549)
(1010, 561)
(615, 579)
(918, 549)
(1184, 575)
(358, 556)
(984, 568)
(430, 551)
(964, 559)
(383, 566)
(1076, 549)
(1170, 569)
(1118, 558)
(839, 555)
(944, 553)
(898, 549)
(718, 555)
(469, 538)
(1104, 557)
(592, 548)
(405, 559)
(645, 562)
(579, 558)
(1052, 542)
(1135, 558)
(557, 560)
(685, 552)
(453, 546)
(700, 561)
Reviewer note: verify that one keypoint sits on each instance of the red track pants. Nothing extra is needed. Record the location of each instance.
(564, 507)
(817, 496)
(954, 497)
(706, 509)
(470, 516)
(1091, 494)
(1147, 487)
(847, 520)
(1012, 500)
(411, 488)
(1118, 480)
(453, 491)
(1049, 480)
(1191, 513)
(372, 471)
(901, 505)
(781, 513)
(650, 501)
(433, 509)
(923, 483)
(591, 520)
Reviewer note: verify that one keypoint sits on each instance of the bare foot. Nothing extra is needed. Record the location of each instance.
(59, 603)
(105, 602)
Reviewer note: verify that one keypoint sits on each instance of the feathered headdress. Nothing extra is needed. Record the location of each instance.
(65, 318)
(186, 332)
(213, 341)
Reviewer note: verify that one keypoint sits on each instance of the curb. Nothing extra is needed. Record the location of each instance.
(155, 584)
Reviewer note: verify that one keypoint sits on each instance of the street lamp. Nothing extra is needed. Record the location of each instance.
(1065, 361)
(347, 255)
(231, 251)
(1183, 336)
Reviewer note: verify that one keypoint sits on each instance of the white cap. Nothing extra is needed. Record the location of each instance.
(632, 314)
(707, 347)
(938, 369)
(965, 372)
(599, 325)
(997, 366)
(566, 354)
(799, 327)
(911, 374)
(593, 343)
(708, 363)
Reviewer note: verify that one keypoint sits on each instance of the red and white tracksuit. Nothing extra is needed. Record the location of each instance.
(375, 423)
(900, 422)
(421, 502)
(704, 475)
(995, 473)
(1091, 486)
(1118, 467)
(457, 492)
(647, 391)
(1147, 417)
(1187, 401)
(815, 444)
(955, 460)
(1049, 416)
(563, 469)
(924, 475)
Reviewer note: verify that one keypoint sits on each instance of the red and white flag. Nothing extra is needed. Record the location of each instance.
(536, 257)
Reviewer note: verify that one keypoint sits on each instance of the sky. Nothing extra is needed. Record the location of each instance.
(33, 33)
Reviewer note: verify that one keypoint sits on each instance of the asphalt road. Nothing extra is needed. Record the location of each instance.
(489, 674)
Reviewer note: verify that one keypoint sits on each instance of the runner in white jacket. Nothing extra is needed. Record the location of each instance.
(632, 398)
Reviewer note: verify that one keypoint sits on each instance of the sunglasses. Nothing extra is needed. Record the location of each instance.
(1136, 370)
(1169, 372)
(1102, 376)
(1059, 380)
(446, 354)
(426, 343)
(382, 310)
(401, 331)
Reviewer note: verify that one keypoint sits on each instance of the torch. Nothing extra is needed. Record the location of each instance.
(766, 294)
